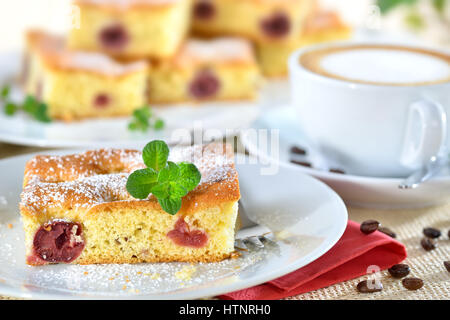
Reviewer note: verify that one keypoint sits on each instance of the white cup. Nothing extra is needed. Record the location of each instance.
(371, 129)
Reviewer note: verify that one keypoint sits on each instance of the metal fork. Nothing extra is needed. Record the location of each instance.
(257, 240)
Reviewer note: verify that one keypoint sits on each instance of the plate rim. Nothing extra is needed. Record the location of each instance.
(202, 293)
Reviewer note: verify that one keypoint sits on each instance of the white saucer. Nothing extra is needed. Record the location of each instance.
(360, 191)
(305, 216)
(21, 129)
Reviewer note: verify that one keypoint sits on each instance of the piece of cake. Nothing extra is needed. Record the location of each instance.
(219, 69)
(76, 209)
(77, 85)
(321, 26)
(259, 20)
(133, 28)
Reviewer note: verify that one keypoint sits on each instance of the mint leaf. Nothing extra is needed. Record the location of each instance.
(4, 93)
(142, 120)
(159, 124)
(36, 109)
(169, 173)
(439, 5)
(387, 5)
(10, 108)
(167, 181)
(29, 104)
(161, 190)
(177, 190)
(170, 205)
(189, 175)
(414, 21)
(40, 113)
(155, 154)
(141, 182)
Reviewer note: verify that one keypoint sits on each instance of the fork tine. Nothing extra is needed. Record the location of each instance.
(239, 243)
(255, 241)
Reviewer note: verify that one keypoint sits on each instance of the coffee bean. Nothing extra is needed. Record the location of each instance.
(428, 244)
(298, 150)
(369, 286)
(369, 226)
(412, 283)
(333, 170)
(447, 265)
(387, 231)
(399, 270)
(448, 234)
(432, 233)
(302, 163)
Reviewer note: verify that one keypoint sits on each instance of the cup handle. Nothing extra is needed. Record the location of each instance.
(426, 132)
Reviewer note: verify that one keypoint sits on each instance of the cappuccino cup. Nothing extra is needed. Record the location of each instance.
(378, 110)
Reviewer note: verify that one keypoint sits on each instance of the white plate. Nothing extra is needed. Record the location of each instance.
(360, 191)
(306, 217)
(21, 129)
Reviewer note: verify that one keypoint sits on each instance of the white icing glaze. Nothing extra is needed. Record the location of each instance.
(217, 50)
(97, 62)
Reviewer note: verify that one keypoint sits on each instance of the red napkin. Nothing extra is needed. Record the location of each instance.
(348, 259)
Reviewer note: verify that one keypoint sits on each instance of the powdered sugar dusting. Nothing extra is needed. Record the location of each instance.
(121, 280)
(218, 50)
(52, 49)
(95, 177)
(97, 62)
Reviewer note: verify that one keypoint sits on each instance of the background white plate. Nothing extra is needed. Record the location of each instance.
(306, 217)
(21, 129)
(355, 190)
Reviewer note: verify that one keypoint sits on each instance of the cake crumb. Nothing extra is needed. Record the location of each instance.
(124, 287)
(185, 273)
(86, 273)
(10, 226)
(235, 255)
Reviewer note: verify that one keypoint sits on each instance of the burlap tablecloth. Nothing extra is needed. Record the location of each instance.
(407, 224)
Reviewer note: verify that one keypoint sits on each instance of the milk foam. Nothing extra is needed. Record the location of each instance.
(386, 66)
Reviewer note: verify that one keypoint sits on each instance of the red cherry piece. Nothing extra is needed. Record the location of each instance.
(204, 10)
(204, 85)
(58, 241)
(276, 26)
(114, 37)
(102, 100)
(182, 235)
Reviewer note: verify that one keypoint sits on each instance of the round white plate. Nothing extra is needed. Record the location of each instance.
(360, 191)
(23, 130)
(305, 216)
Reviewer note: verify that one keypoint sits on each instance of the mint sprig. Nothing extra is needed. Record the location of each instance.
(387, 5)
(169, 182)
(143, 120)
(32, 106)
